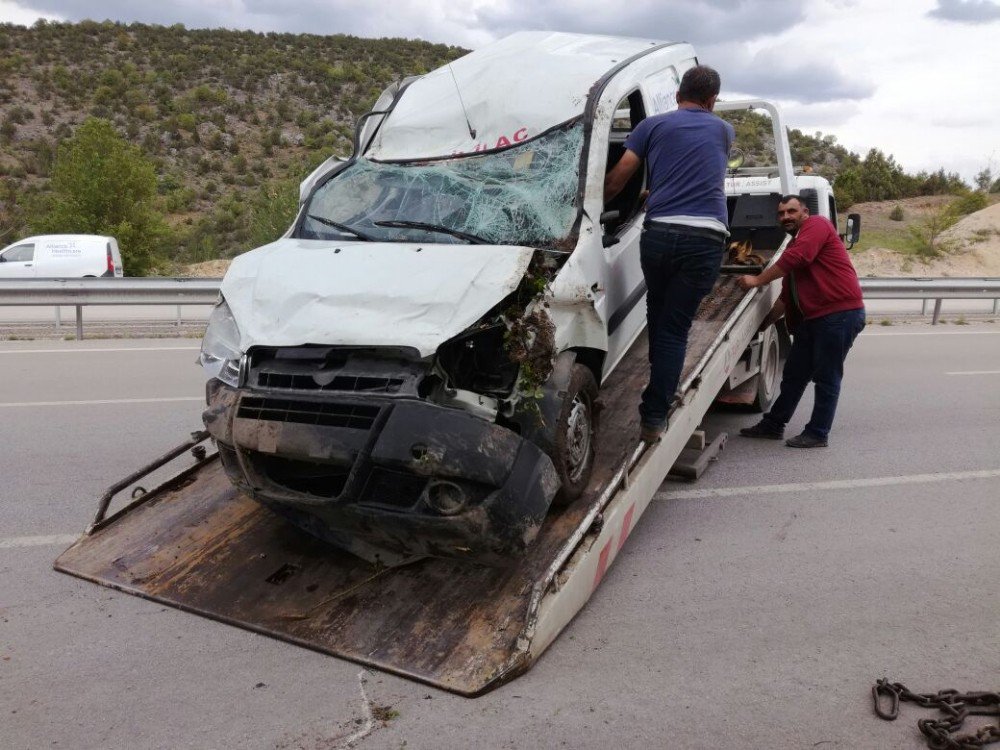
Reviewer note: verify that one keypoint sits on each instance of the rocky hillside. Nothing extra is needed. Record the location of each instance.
(224, 115)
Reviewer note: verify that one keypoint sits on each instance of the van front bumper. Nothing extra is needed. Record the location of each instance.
(382, 475)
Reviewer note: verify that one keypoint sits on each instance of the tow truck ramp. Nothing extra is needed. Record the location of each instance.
(196, 544)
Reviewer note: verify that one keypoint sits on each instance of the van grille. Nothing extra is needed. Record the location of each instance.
(322, 413)
(358, 384)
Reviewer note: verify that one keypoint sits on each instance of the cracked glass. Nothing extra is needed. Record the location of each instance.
(523, 195)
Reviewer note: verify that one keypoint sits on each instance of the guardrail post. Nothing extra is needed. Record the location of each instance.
(58, 317)
(79, 322)
(923, 307)
(996, 306)
(178, 323)
(937, 312)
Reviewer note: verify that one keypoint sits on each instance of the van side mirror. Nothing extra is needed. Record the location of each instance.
(852, 232)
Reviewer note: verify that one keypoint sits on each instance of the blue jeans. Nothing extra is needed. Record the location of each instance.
(680, 269)
(819, 348)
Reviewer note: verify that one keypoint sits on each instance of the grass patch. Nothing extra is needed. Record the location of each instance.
(885, 322)
(878, 238)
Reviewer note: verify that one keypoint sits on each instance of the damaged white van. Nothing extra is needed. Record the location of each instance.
(413, 368)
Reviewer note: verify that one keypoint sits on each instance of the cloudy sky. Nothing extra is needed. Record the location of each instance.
(916, 78)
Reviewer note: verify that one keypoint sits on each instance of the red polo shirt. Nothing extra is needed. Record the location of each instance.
(825, 279)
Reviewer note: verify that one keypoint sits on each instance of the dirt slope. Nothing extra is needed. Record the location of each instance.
(974, 242)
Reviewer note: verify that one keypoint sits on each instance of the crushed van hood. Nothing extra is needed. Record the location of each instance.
(294, 292)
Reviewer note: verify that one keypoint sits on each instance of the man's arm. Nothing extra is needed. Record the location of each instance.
(771, 273)
(620, 174)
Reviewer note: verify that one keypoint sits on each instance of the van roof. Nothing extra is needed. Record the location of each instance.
(491, 97)
(65, 238)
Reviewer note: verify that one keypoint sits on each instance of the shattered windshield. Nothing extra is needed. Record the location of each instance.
(524, 195)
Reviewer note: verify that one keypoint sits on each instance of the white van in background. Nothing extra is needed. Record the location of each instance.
(61, 256)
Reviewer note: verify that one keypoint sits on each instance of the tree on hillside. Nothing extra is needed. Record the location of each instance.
(103, 185)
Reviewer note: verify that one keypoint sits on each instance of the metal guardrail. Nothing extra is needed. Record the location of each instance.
(160, 291)
(937, 289)
(127, 291)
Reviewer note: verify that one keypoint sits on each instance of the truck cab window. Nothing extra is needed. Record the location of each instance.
(629, 113)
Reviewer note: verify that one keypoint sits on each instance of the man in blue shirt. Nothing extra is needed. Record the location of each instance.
(686, 227)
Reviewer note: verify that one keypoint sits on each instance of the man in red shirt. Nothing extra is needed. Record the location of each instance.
(821, 301)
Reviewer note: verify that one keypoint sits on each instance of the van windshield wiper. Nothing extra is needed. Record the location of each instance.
(434, 228)
(342, 227)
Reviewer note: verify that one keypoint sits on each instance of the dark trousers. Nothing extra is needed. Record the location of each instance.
(819, 348)
(680, 269)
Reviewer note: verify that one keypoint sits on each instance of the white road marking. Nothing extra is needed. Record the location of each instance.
(838, 484)
(975, 372)
(103, 401)
(52, 540)
(87, 351)
(931, 333)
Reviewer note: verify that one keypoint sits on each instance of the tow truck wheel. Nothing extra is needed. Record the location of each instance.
(770, 370)
(573, 451)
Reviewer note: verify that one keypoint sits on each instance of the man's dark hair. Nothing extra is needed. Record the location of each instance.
(793, 197)
(699, 84)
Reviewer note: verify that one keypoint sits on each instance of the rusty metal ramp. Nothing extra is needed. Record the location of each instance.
(204, 548)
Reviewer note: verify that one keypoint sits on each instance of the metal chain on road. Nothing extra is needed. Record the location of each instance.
(953, 705)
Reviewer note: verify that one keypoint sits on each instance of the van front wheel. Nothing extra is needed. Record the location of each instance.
(573, 449)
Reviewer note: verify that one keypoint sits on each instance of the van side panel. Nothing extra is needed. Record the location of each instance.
(72, 257)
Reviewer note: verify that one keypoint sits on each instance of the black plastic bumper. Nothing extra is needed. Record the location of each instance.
(400, 475)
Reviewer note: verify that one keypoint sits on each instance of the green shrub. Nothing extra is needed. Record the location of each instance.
(103, 185)
(969, 203)
(897, 213)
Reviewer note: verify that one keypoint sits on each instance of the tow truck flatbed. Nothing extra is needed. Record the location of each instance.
(196, 544)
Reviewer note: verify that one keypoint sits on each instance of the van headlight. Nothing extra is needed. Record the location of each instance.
(220, 349)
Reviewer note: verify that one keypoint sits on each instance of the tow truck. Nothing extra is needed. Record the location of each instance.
(198, 543)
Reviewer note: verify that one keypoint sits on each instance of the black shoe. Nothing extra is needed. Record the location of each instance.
(805, 440)
(763, 430)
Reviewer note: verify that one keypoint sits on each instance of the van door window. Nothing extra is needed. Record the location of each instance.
(22, 253)
(629, 113)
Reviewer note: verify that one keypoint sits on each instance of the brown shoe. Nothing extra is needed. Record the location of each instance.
(650, 435)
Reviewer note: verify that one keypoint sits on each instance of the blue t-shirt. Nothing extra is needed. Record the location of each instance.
(686, 151)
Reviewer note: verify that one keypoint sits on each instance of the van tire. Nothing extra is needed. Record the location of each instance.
(575, 436)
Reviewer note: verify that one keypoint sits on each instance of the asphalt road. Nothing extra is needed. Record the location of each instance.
(752, 609)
